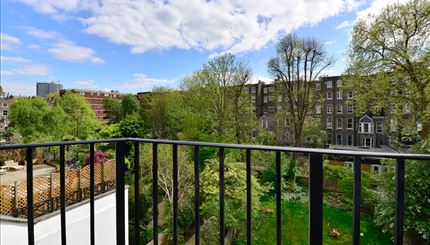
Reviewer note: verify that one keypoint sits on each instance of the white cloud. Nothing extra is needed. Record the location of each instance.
(6, 72)
(34, 46)
(19, 87)
(41, 34)
(344, 24)
(217, 26)
(52, 6)
(376, 7)
(86, 84)
(330, 42)
(257, 78)
(143, 82)
(13, 60)
(8, 42)
(32, 70)
(97, 60)
(69, 51)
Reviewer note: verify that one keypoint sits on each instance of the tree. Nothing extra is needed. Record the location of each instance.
(113, 109)
(129, 105)
(297, 65)
(35, 120)
(118, 110)
(165, 170)
(390, 60)
(221, 85)
(161, 110)
(79, 114)
(235, 201)
(417, 196)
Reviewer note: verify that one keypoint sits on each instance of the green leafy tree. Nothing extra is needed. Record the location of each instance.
(82, 119)
(35, 120)
(165, 184)
(220, 84)
(417, 196)
(129, 105)
(235, 201)
(113, 109)
(390, 60)
(161, 110)
(118, 110)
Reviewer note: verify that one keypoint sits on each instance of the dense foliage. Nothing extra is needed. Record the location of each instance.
(417, 196)
(235, 202)
(389, 60)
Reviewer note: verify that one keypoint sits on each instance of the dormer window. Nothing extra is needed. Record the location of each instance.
(366, 125)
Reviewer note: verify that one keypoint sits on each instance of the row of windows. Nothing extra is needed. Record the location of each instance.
(99, 94)
(339, 123)
(329, 84)
(339, 109)
(339, 95)
(364, 127)
(367, 127)
(349, 140)
(253, 90)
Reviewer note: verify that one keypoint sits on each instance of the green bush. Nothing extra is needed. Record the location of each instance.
(417, 196)
(235, 201)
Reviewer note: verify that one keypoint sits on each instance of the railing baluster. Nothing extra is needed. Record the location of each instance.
(357, 201)
(30, 201)
(221, 196)
(248, 197)
(400, 196)
(63, 194)
(136, 193)
(92, 227)
(155, 192)
(120, 198)
(196, 195)
(278, 199)
(175, 194)
(316, 198)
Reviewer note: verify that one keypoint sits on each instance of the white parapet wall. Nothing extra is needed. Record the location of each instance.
(47, 229)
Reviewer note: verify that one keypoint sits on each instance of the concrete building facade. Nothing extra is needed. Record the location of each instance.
(45, 88)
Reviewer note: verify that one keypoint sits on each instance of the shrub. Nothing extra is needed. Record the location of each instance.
(417, 196)
(99, 157)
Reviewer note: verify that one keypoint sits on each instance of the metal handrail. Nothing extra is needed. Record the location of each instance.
(315, 186)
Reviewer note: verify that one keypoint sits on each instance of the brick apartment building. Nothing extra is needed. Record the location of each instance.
(95, 99)
(342, 125)
(344, 129)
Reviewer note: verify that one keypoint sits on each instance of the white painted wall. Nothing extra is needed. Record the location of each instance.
(48, 230)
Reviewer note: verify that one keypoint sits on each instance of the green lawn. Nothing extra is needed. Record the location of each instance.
(295, 226)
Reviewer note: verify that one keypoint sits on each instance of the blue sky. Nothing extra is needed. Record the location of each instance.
(133, 46)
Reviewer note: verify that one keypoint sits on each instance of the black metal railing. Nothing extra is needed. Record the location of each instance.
(315, 186)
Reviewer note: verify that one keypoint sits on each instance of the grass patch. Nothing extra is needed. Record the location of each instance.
(295, 226)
